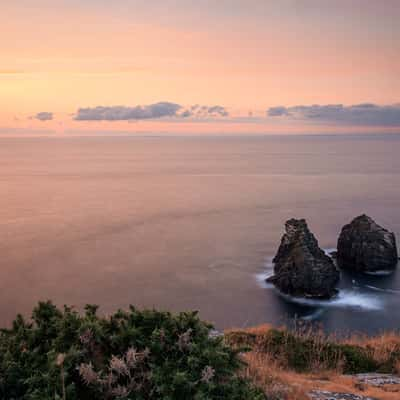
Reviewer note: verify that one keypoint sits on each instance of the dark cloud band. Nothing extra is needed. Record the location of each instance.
(122, 113)
(44, 116)
(152, 111)
(359, 114)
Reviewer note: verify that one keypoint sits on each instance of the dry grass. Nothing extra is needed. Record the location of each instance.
(266, 374)
(281, 384)
(280, 378)
(385, 346)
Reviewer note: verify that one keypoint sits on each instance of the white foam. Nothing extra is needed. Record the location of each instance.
(268, 272)
(316, 314)
(380, 273)
(349, 298)
(329, 250)
(261, 280)
(378, 289)
(345, 299)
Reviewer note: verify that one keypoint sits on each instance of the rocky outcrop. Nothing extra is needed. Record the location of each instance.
(381, 382)
(365, 246)
(326, 395)
(378, 380)
(301, 267)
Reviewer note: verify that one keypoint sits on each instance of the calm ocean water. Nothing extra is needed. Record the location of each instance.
(190, 223)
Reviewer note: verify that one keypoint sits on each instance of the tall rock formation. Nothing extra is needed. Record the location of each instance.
(301, 267)
(365, 246)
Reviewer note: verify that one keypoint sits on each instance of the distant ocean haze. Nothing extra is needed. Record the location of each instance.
(190, 222)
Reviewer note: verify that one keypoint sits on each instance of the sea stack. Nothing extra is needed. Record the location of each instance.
(301, 268)
(364, 246)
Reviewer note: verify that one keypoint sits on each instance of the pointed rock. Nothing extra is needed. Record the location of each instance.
(301, 267)
(365, 246)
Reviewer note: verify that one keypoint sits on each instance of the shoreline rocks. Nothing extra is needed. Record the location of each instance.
(365, 246)
(301, 268)
(327, 395)
(377, 379)
(384, 382)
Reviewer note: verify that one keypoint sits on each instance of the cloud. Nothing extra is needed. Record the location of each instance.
(44, 116)
(122, 113)
(186, 114)
(358, 114)
(151, 111)
(198, 111)
(277, 111)
(218, 110)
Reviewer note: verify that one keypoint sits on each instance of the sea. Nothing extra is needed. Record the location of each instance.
(191, 223)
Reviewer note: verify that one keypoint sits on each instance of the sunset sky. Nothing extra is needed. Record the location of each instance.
(253, 66)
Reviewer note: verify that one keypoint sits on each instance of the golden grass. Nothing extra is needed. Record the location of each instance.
(281, 384)
(384, 346)
(279, 381)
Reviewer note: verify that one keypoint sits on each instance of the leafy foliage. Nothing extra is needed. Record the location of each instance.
(135, 354)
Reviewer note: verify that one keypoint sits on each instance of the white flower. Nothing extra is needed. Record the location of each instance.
(87, 373)
(207, 374)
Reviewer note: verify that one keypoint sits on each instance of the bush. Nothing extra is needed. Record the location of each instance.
(61, 354)
(307, 351)
(357, 359)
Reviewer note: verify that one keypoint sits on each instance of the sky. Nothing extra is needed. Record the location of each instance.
(179, 66)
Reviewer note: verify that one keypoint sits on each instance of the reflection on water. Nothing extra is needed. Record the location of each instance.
(187, 223)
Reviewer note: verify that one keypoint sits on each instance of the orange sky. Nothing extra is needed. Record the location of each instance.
(246, 56)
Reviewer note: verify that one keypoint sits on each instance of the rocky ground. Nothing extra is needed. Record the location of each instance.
(386, 383)
(325, 395)
(378, 380)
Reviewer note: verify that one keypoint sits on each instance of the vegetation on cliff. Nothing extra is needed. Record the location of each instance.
(289, 364)
(62, 354)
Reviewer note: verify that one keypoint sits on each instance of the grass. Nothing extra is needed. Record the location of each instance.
(287, 364)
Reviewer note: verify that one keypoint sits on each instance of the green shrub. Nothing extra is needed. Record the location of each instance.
(61, 354)
(357, 359)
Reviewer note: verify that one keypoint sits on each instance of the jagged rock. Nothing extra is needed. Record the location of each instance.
(301, 267)
(365, 246)
(378, 380)
(325, 395)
